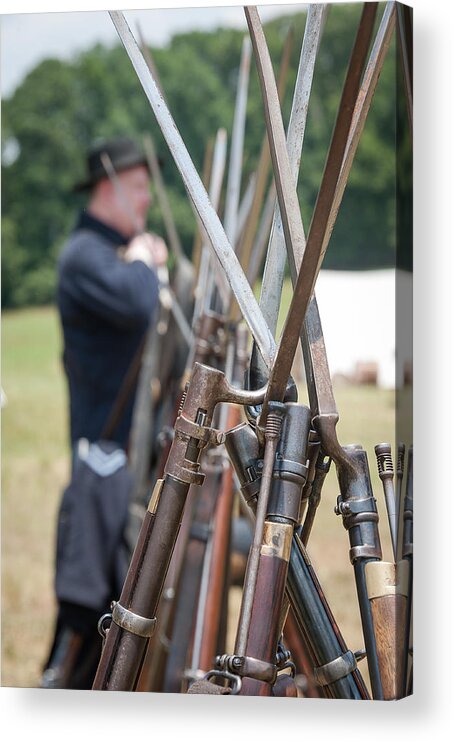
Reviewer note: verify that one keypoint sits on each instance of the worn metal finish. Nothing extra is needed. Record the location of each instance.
(214, 562)
(322, 467)
(336, 669)
(132, 622)
(320, 391)
(262, 236)
(387, 578)
(243, 449)
(155, 495)
(274, 269)
(263, 168)
(207, 269)
(191, 577)
(283, 176)
(362, 106)
(272, 434)
(277, 540)
(124, 652)
(386, 473)
(270, 297)
(244, 208)
(357, 506)
(245, 666)
(314, 252)
(232, 196)
(207, 215)
(210, 340)
(323, 638)
(407, 549)
(291, 464)
(407, 554)
(400, 466)
(321, 397)
(269, 605)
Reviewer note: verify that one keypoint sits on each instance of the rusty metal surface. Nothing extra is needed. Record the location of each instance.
(198, 195)
(314, 249)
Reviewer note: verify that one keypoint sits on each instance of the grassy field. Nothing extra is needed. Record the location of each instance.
(35, 469)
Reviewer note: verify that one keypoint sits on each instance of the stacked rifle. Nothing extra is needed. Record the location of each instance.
(236, 446)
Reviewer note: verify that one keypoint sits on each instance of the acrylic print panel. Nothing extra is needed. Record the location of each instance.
(222, 494)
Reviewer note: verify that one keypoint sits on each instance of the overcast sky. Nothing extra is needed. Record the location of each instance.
(27, 38)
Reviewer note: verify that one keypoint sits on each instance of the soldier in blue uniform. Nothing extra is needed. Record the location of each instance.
(108, 294)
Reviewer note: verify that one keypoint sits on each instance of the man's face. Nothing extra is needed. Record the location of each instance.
(132, 201)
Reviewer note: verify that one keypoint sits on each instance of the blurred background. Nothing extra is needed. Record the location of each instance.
(66, 80)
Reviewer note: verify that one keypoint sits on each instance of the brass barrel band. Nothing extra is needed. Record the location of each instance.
(387, 578)
(155, 495)
(277, 540)
(132, 622)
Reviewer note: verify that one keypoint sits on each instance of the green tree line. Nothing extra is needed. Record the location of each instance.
(62, 106)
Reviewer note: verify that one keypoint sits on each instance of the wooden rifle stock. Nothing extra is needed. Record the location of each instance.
(190, 581)
(387, 587)
(218, 580)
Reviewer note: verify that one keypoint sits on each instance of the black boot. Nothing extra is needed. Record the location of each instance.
(76, 650)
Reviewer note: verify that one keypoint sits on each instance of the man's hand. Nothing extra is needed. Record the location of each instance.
(149, 248)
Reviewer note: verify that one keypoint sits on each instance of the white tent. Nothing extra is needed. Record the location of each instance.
(358, 315)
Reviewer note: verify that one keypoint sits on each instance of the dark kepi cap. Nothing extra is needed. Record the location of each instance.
(123, 153)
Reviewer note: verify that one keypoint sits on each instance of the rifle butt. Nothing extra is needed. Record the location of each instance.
(387, 587)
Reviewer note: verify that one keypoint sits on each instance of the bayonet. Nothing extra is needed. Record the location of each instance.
(203, 290)
(236, 148)
(312, 253)
(262, 172)
(273, 277)
(207, 214)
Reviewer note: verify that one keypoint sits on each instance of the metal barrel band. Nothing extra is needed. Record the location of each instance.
(364, 551)
(201, 432)
(250, 491)
(132, 622)
(353, 520)
(336, 669)
(355, 512)
(292, 471)
(186, 475)
(355, 507)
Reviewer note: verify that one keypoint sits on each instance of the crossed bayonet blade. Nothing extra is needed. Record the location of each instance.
(313, 251)
(307, 260)
(197, 193)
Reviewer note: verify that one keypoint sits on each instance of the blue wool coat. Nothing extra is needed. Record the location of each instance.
(105, 307)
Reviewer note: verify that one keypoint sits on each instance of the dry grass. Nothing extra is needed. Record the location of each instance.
(35, 469)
